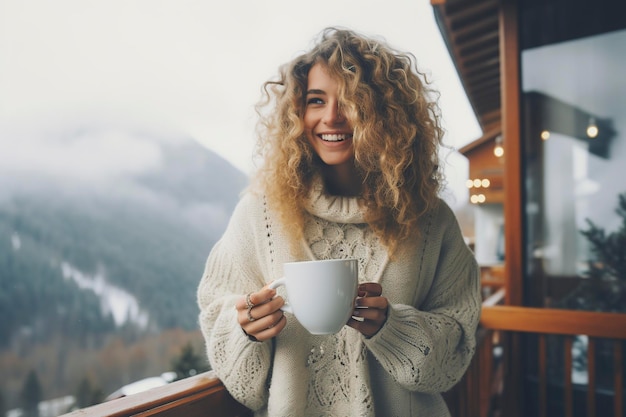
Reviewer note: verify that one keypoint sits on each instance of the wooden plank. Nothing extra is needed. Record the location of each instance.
(511, 128)
(470, 30)
(485, 373)
(200, 395)
(470, 12)
(618, 385)
(542, 373)
(495, 298)
(554, 321)
(513, 388)
(218, 404)
(486, 23)
(591, 379)
(568, 388)
(513, 186)
(477, 44)
(473, 390)
(479, 74)
(485, 89)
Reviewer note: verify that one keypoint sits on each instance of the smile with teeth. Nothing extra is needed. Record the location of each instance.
(334, 137)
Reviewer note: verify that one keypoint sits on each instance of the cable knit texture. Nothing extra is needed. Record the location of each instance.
(423, 348)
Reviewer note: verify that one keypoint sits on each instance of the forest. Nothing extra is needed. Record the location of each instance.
(145, 236)
(90, 374)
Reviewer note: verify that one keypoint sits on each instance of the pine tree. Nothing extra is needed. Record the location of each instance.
(87, 394)
(609, 249)
(31, 395)
(605, 290)
(188, 363)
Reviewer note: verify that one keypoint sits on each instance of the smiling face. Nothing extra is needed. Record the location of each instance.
(326, 128)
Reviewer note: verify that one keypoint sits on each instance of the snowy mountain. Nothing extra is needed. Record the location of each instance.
(108, 227)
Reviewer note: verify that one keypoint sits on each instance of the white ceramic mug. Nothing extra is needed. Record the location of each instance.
(320, 294)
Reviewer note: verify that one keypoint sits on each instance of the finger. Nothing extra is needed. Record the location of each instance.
(260, 297)
(372, 302)
(245, 316)
(367, 328)
(372, 314)
(272, 330)
(263, 310)
(266, 322)
(370, 289)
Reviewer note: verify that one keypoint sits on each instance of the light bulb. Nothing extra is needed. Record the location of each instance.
(498, 149)
(592, 128)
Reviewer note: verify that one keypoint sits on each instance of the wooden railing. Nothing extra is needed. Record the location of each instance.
(205, 395)
(479, 392)
(484, 391)
(562, 327)
(199, 396)
(494, 381)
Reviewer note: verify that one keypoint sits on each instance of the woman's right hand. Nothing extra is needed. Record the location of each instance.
(259, 314)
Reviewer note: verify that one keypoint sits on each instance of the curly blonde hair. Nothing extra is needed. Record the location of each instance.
(397, 133)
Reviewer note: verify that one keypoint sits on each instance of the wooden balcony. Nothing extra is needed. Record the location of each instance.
(498, 380)
(491, 387)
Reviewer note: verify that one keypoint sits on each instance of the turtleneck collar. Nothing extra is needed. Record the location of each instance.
(333, 208)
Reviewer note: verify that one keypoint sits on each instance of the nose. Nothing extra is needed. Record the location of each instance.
(333, 115)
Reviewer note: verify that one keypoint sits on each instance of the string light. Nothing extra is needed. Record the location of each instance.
(498, 150)
(478, 183)
(478, 198)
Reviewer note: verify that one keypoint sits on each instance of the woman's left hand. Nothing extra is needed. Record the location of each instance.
(370, 309)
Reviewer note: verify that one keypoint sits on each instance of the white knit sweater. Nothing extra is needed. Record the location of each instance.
(423, 348)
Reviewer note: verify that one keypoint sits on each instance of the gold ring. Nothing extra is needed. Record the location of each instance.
(249, 303)
(250, 318)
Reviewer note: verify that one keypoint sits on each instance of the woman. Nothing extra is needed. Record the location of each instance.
(350, 170)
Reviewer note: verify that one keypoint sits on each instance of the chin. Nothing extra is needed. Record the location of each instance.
(334, 160)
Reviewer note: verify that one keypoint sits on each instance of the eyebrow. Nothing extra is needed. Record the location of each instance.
(315, 91)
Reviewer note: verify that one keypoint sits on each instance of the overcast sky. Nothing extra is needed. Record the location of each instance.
(188, 67)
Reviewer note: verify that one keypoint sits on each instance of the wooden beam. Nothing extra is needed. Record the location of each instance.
(477, 43)
(489, 22)
(511, 96)
(513, 222)
(469, 11)
(554, 321)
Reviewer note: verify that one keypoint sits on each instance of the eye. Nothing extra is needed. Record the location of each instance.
(314, 100)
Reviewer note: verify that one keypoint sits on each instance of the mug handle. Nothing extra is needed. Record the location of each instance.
(275, 284)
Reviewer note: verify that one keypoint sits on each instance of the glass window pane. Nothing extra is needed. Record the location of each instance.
(574, 134)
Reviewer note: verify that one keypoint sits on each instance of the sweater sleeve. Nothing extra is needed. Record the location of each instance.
(428, 349)
(232, 270)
